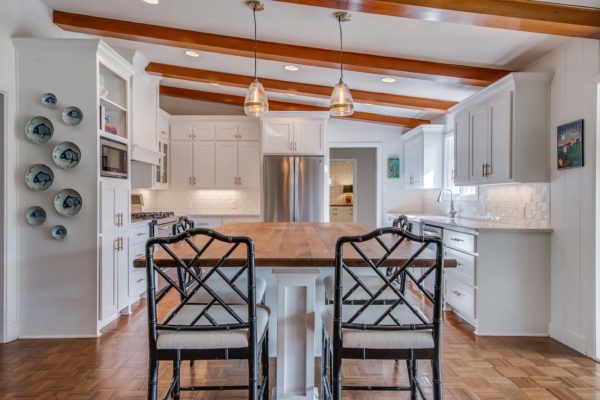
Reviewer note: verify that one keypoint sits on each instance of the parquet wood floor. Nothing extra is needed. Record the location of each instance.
(114, 367)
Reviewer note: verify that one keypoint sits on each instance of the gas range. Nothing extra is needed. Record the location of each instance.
(161, 222)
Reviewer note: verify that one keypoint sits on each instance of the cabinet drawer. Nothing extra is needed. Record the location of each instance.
(136, 251)
(207, 222)
(139, 235)
(138, 278)
(465, 268)
(460, 241)
(461, 297)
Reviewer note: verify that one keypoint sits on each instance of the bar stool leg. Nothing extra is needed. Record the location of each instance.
(152, 379)
(437, 378)
(265, 366)
(176, 375)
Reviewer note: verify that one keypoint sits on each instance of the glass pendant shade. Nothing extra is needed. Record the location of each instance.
(342, 103)
(256, 103)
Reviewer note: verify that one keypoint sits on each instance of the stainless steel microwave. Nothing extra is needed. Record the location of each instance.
(114, 159)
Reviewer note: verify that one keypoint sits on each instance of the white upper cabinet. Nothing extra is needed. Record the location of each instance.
(423, 157)
(278, 136)
(213, 153)
(507, 132)
(293, 136)
(462, 148)
(145, 111)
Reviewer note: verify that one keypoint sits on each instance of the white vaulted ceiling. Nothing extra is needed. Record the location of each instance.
(315, 27)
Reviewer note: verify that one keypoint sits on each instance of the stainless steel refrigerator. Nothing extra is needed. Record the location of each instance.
(293, 188)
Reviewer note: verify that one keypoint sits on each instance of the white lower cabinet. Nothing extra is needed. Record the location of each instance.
(137, 249)
(114, 276)
(500, 284)
(341, 214)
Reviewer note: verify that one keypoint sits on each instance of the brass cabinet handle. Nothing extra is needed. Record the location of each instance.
(239, 180)
(488, 169)
(116, 244)
(139, 280)
(120, 244)
(456, 239)
(456, 292)
(483, 170)
(194, 180)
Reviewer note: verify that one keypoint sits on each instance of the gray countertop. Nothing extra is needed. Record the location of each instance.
(470, 224)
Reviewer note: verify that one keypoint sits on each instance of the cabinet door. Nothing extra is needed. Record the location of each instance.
(500, 142)
(204, 165)
(249, 164)
(226, 164)
(203, 131)
(122, 200)
(227, 131)
(181, 164)
(108, 296)
(163, 127)
(181, 131)
(108, 214)
(278, 136)
(461, 148)
(413, 161)
(122, 270)
(145, 108)
(479, 143)
(248, 131)
(309, 137)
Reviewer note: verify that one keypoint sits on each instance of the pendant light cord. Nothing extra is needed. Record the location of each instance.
(341, 50)
(254, 13)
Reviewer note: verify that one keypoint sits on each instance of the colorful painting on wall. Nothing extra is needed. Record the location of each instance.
(570, 145)
(393, 168)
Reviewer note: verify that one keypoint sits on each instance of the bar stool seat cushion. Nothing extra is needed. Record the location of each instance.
(229, 296)
(379, 339)
(218, 339)
(373, 282)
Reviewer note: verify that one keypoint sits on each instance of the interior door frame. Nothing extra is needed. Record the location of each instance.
(378, 171)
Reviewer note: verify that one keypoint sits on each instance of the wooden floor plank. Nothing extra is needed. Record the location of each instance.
(114, 367)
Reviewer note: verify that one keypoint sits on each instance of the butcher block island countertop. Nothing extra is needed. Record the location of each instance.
(287, 244)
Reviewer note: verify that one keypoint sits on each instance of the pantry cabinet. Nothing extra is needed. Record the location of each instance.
(114, 276)
(114, 212)
(293, 136)
(501, 131)
(423, 155)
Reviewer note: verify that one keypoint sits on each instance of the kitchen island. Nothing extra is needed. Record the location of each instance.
(296, 252)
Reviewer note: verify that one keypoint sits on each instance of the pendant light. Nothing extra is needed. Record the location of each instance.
(341, 104)
(256, 102)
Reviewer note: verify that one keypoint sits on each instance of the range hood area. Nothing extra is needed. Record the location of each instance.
(143, 163)
(143, 155)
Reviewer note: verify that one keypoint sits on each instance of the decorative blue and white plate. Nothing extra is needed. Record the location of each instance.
(59, 232)
(39, 177)
(35, 216)
(39, 130)
(66, 155)
(49, 100)
(72, 116)
(68, 202)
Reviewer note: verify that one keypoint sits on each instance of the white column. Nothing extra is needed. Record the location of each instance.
(295, 332)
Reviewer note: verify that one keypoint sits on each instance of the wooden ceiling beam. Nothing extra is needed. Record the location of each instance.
(519, 15)
(358, 62)
(303, 89)
(288, 106)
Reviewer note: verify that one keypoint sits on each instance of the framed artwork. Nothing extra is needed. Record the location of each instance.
(393, 167)
(570, 145)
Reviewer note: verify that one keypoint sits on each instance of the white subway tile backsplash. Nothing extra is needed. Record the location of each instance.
(520, 204)
(211, 201)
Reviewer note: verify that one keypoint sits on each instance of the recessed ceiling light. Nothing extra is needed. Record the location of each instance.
(292, 94)
(192, 53)
(214, 84)
(388, 79)
(367, 104)
(291, 68)
(153, 2)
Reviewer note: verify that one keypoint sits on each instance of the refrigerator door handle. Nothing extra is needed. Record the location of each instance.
(296, 189)
(293, 188)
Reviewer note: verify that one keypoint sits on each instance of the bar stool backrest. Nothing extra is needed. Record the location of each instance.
(233, 251)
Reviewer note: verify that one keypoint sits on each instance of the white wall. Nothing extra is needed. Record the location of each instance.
(576, 65)
(395, 196)
(17, 18)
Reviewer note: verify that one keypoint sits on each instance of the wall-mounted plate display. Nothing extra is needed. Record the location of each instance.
(39, 130)
(68, 202)
(35, 216)
(66, 155)
(59, 232)
(49, 100)
(39, 177)
(72, 116)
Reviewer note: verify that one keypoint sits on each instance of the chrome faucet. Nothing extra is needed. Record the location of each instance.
(451, 212)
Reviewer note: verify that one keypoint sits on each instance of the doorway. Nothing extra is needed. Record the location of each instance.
(353, 188)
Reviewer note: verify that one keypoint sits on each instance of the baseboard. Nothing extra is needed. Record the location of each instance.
(511, 334)
(568, 338)
(36, 337)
